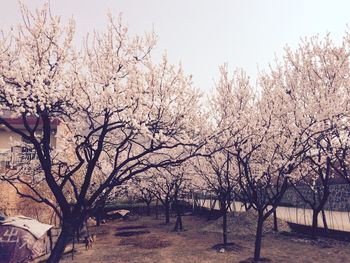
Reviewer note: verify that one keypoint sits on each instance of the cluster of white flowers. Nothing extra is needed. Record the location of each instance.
(110, 94)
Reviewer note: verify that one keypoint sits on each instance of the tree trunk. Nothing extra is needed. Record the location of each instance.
(78, 234)
(99, 216)
(148, 212)
(178, 223)
(193, 204)
(157, 209)
(314, 222)
(49, 233)
(224, 227)
(275, 223)
(63, 239)
(258, 237)
(98, 219)
(324, 219)
(167, 213)
(322, 204)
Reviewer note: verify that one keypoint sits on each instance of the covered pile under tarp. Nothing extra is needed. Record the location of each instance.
(22, 239)
(121, 212)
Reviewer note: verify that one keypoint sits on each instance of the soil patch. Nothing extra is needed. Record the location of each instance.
(230, 247)
(132, 233)
(148, 242)
(130, 227)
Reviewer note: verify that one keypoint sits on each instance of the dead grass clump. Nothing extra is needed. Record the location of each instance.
(132, 233)
(146, 242)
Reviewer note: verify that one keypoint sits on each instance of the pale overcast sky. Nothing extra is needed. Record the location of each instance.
(203, 34)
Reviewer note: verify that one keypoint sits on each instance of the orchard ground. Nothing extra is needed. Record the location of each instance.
(146, 239)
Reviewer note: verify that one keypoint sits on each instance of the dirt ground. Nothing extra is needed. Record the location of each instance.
(146, 239)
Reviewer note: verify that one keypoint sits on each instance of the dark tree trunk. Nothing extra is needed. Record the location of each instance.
(224, 227)
(258, 237)
(148, 211)
(78, 234)
(178, 223)
(323, 201)
(193, 204)
(275, 223)
(178, 210)
(157, 209)
(314, 222)
(99, 216)
(167, 213)
(49, 233)
(63, 239)
(324, 219)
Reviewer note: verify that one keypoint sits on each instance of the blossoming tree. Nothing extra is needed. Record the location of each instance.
(167, 185)
(120, 114)
(315, 78)
(258, 139)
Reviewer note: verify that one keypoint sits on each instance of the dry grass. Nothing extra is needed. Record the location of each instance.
(195, 245)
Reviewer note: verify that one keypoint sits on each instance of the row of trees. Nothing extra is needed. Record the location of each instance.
(290, 131)
(119, 113)
(122, 116)
(167, 186)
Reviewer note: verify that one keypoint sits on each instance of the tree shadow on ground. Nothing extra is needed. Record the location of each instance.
(131, 233)
(322, 242)
(146, 242)
(130, 227)
(251, 260)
